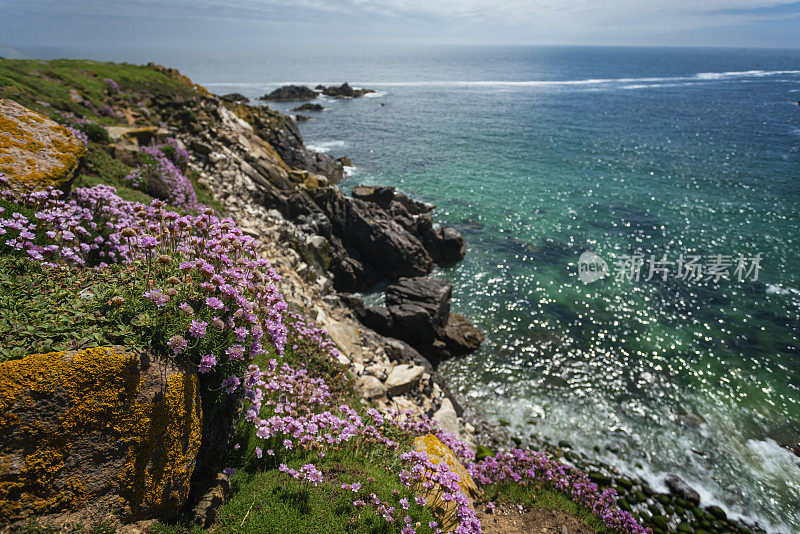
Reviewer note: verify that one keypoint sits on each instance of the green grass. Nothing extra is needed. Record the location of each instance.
(101, 168)
(538, 497)
(203, 193)
(33, 83)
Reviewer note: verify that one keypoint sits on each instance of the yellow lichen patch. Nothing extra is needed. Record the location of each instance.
(24, 136)
(95, 428)
(438, 452)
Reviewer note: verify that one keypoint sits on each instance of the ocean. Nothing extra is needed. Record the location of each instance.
(665, 165)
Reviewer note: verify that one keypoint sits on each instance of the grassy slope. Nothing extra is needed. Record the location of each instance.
(39, 85)
(39, 311)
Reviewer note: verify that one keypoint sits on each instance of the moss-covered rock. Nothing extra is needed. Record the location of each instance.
(98, 431)
(36, 152)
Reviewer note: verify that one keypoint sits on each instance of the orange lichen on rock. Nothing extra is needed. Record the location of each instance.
(97, 430)
(26, 135)
(438, 453)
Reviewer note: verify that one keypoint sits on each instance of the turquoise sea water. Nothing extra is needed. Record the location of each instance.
(540, 154)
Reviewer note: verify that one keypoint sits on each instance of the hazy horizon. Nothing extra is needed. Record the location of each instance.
(214, 24)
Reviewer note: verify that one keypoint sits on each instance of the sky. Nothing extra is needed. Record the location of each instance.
(309, 23)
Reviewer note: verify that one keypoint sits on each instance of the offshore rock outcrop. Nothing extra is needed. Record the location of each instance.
(289, 93)
(309, 107)
(342, 91)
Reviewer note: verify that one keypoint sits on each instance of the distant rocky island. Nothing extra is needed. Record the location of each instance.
(292, 93)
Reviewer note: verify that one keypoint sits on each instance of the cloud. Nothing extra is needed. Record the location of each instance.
(481, 20)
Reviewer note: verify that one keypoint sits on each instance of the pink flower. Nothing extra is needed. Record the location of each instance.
(215, 303)
(197, 329)
(206, 363)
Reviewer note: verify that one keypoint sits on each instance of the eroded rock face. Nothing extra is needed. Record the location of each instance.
(97, 431)
(283, 134)
(36, 152)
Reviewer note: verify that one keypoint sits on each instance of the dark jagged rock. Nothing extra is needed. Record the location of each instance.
(418, 312)
(309, 107)
(444, 244)
(678, 487)
(302, 118)
(461, 336)
(382, 196)
(377, 234)
(342, 91)
(289, 93)
(370, 236)
(235, 97)
(424, 299)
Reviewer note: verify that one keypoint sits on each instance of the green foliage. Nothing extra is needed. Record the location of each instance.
(101, 168)
(31, 82)
(45, 309)
(483, 452)
(203, 193)
(95, 132)
(539, 497)
(271, 501)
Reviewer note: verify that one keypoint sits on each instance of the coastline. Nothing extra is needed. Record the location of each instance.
(664, 510)
(239, 154)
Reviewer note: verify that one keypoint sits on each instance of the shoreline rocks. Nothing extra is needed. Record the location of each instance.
(309, 107)
(277, 205)
(418, 312)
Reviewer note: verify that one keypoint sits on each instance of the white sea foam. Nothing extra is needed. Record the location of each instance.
(628, 83)
(651, 85)
(326, 146)
(644, 82)
(349, 170)
(744, 74)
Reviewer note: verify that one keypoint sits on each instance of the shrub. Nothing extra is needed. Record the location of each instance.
(161, 178)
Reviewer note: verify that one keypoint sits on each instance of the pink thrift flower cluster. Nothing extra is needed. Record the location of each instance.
(160, 176)
(440, 486)
(75, 230)
(113, 86)
(523, 467)
(238, 298)
(307, 473)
